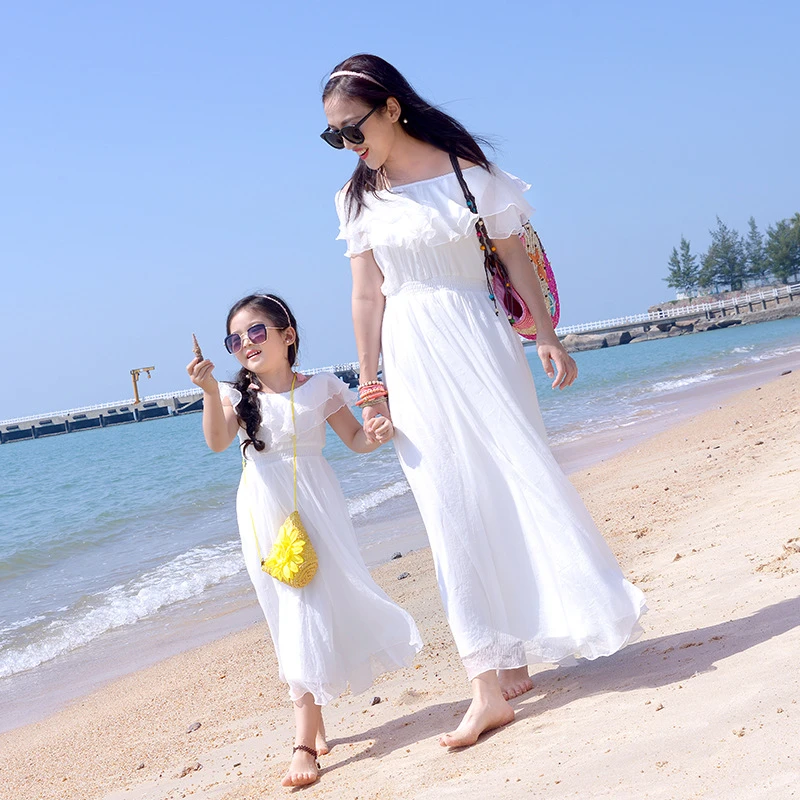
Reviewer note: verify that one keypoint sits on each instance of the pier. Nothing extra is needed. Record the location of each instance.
(107, 415)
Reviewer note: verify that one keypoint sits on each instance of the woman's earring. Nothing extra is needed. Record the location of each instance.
(405, 121)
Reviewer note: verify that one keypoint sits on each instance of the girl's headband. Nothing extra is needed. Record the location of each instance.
(342, 72)
(278, 302)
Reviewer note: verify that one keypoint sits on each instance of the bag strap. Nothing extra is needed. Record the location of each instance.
(491, 261)
(294, 441)
(294, 460)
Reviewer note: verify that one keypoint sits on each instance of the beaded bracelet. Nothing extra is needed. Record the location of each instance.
(376, 402)
(372, 391)
(370, 383)
(375, 398)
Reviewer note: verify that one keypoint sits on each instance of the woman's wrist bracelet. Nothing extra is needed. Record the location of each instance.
(378, 401)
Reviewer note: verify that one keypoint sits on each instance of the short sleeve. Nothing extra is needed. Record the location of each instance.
(228, 390)
(353, 231)
(501, 202)
(338, 395)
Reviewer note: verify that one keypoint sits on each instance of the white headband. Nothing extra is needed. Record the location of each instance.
(344, 72)
(278, 302)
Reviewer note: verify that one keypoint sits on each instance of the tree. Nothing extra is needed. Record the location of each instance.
(783, 248)
(707, 276)
(725, 257)
(755, 255)
(682, 274)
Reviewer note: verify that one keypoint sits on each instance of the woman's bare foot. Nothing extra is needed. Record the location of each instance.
(487, 711)
(321, 746)
(302, 771)
(514, 682)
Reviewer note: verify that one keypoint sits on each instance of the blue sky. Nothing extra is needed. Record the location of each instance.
(160, 160)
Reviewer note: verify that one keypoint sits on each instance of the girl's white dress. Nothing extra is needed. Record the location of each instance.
(524, 574)
(341, 628)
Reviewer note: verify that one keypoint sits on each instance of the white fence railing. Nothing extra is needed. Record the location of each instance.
(687, 310)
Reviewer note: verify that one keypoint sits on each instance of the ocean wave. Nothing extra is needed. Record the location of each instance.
(747, 349)
(363, 503)
(679, 383)
(186, 576)
(777, 353)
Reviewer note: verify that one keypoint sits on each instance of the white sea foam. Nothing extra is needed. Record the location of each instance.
(777, 353)
(364, 502)
(185, 576)
(679, 383)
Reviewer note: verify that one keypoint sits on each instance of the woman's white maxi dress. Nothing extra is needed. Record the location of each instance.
(524, 574)
(341, 628)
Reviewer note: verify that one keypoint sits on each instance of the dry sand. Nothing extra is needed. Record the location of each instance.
(705, 518)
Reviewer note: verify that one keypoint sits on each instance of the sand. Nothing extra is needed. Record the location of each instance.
(704, 518)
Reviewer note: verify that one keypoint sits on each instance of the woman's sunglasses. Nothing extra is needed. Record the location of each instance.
(255, 334)
(350, 132)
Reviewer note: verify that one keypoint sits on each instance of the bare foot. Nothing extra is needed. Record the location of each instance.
(302, 771)
(514, 682)
(321, 746)
(481, 716)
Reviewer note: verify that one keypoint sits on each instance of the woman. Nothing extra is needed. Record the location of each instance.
(524, 574)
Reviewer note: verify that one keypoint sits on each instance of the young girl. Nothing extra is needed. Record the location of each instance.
(340, 628)
(524, 574)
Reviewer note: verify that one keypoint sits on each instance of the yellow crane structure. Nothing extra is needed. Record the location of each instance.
(135, 378)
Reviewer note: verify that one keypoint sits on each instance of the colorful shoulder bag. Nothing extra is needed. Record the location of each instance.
(501, 290)
(292, 559)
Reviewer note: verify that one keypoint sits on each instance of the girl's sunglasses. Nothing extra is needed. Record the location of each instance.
(255, 334)
(350, 132)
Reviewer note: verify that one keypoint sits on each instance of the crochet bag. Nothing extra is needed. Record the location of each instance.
(501, 290)
(292, 559)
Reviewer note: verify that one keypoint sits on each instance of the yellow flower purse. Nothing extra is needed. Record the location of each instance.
(292, 559)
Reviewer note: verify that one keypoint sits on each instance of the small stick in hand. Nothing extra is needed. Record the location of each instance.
(196, 348)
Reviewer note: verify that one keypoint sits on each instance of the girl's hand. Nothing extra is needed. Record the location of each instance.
(200, 372)
(381, 428)
(369, 414)
(566, 370)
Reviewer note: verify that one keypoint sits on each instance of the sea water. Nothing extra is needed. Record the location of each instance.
(106, 531)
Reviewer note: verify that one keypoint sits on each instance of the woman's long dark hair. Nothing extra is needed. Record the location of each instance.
(248, 410)
(421, 120)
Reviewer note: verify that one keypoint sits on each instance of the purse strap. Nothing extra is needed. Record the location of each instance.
(294, 464)
(491, 261)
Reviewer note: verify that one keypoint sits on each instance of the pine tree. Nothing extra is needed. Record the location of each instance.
(726, 257)
(707, 276)
(674, 277)
(755, 254)
(783, 248)
(682, 274)
(688, 268)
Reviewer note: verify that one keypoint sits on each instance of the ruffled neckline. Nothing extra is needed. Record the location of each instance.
(308, 379)
(429, 180)
(433, 212)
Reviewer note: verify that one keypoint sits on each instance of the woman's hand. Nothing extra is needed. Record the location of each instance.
(513, 254)
(200, 373)
(566, 370)
(369, 415)
(381, 428)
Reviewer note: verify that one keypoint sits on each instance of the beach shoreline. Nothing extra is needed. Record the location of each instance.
(231, 607)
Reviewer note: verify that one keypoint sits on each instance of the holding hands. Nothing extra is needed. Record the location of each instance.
(378, 429)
